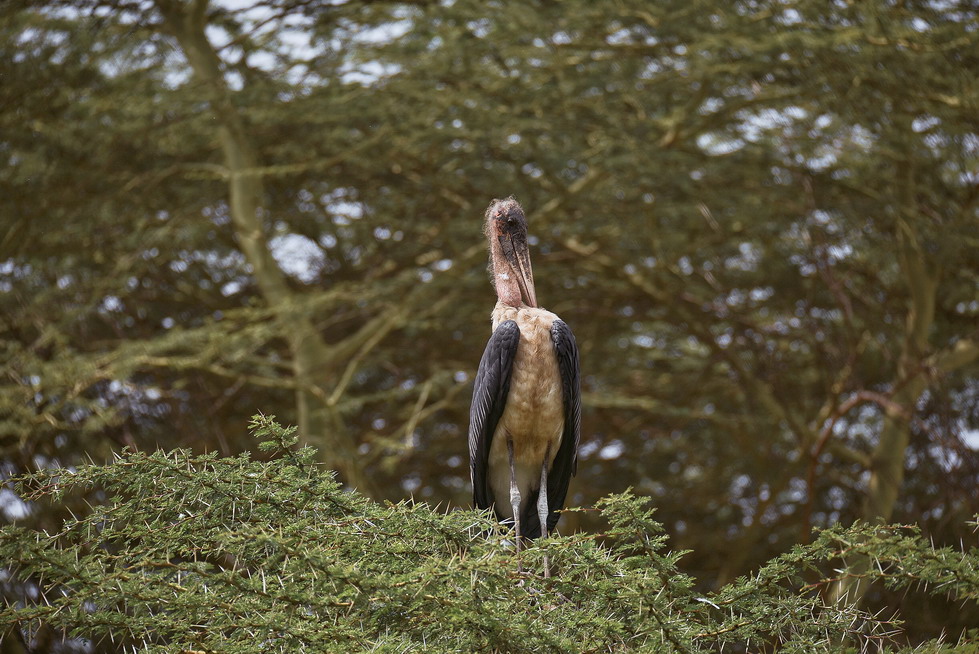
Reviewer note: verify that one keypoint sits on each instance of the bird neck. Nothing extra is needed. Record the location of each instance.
(504, 278)
(507, 289)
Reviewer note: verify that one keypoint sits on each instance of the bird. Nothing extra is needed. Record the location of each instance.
(525, 416)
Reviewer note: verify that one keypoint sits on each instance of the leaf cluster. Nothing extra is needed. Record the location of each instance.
(202, 553)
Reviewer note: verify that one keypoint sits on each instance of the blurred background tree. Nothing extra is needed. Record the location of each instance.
(759, 218)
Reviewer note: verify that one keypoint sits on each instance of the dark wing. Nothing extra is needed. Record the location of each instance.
(566, 462)
(489, 398)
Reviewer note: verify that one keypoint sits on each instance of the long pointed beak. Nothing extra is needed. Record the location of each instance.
(518, 256)
(525, 278)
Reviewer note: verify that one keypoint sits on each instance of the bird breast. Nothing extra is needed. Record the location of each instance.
(534, 412)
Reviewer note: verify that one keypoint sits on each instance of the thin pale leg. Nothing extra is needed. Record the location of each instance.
(542, 510)
(514, 500)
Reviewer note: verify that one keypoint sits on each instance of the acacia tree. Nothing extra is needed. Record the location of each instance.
(754, 206)
(203, 553)
(317, 364)
(757, 218)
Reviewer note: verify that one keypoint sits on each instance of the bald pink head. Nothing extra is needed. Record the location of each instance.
(506, 231)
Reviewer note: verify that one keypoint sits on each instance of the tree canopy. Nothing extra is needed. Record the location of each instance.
(759, 219)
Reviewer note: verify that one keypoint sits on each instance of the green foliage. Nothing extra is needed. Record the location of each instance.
(202, 553)
(758, 217)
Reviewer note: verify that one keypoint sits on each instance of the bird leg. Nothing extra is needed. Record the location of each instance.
(542, 508)
(514, 500)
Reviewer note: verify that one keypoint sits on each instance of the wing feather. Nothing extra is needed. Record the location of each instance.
(566, 461)
(489, 398)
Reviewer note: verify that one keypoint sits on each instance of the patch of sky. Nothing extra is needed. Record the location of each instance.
(919, 24)
(861, 137)
(710, 105)
(411, 483)
(644, 341)
(967, 307)
(970, 145)
(621, 36)
(825, 158)
(825, 220)
(9, 268)
(480, 28)
(219, 214)
(970, 437)
(753, 125)
(531, 170)
(735, 297)
(221, 263)
(338, 203)
(561, 38)
(12, 507)
(747, 260)
(789, 16)
(611, 450)
(231, 288)
(836, 253)
(716, 144)
(284, 38)
(948, 459)
(367, 73)
(110, 304)
(46, 41)
(925, 123)
(298, 256)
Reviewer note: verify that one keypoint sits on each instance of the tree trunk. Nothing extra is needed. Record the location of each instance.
(888, 458)
(312, 360)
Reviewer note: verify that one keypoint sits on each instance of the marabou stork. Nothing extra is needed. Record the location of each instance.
(525, 418)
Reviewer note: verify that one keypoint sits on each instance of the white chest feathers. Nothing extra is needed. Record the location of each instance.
(534, 414)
